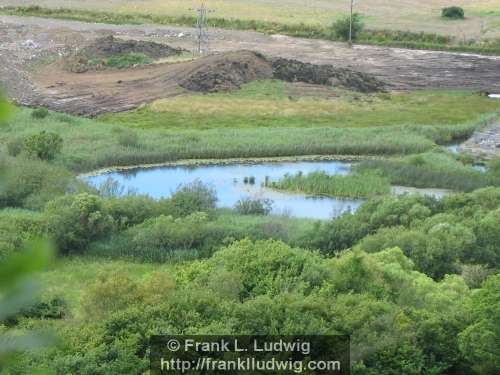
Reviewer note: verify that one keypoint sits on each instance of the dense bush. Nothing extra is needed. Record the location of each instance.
(250, 206)
(76, 220)
(54, 308)
(453, 12)
(134, 209)
(17, 227)
(164, 237)
(44, 145)
(399, 320)
(480, 342)
(15, 146)
(31, 183)
(342, 27)
(39, 113)
(193, 197)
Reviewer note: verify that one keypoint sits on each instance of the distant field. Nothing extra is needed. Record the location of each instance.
(414, 15)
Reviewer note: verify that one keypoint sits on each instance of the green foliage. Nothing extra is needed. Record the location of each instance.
(163, 237)
(40, 113)
(453, 12)
(399, 320)
(249, 206)
(191, 198)
(342, 27)
(110, 292)
(18, 228)
(87, 145)
(76, 220)
(130, 210)
(15, 146)
(19, 290)
(480, 342)
(31, 183)
(5, 109)
(44, 145)
(128, 138)
(432, 170)
(320, 183)
(128, 60)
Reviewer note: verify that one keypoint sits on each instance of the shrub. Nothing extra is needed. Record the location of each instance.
(453, 12)
(44, 145)
(76, 220)
(15, 146)
(40, 113)
(341, 27)
(32, 183)
(128, 138)
(163, 237)
(17, 227)
(54, 308)
(190, 198)
(110, 292)
(249, 206)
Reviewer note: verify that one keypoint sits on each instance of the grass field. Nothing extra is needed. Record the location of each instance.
(390, 124)
(273, 104)
(413, 15)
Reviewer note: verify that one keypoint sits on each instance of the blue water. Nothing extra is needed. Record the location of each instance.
(228, 181)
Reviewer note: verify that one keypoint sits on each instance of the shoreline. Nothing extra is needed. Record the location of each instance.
(229, 161)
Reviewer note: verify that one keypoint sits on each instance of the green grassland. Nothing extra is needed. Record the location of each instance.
(273, 104)
(352, 124)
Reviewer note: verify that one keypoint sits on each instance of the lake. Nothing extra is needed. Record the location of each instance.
(229, 182)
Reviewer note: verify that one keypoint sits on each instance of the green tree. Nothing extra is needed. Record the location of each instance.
(44, 145)
(342, 27)
(480, 342)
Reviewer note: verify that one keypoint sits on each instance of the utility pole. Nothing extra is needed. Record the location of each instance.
(202, 38)
(350, 23)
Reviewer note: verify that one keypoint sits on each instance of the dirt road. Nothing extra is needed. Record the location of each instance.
(25, 42)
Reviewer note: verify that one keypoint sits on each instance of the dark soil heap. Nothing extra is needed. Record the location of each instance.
(327, 75)
(227, 72)
(110, 46)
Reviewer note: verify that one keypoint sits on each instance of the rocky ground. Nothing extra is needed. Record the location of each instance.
(484, 144)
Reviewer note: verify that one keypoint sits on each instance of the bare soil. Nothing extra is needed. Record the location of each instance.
(29, 44)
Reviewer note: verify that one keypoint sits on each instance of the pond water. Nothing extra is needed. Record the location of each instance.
(228, 181)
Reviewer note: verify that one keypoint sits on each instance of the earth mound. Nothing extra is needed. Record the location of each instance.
(227, 72)
(94, 56)
(327, 75)
(110, 46)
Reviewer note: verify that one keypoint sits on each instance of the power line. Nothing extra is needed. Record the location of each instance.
(202, 37)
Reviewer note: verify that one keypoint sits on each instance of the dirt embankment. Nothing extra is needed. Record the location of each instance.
(96, 92)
